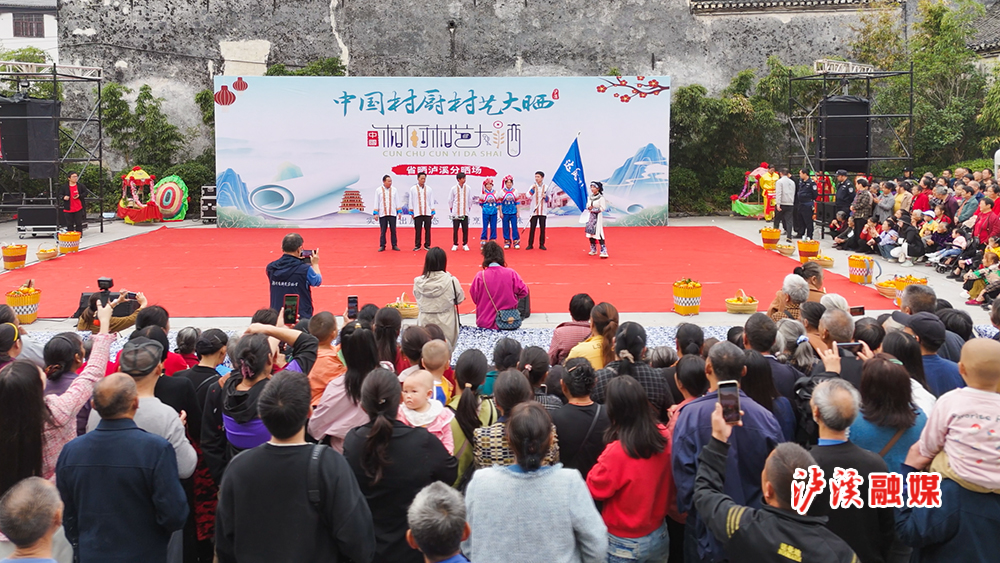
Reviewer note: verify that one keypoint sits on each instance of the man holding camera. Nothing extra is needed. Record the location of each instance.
(295, 273)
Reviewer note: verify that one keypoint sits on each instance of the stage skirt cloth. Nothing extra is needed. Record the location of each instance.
(148, 213)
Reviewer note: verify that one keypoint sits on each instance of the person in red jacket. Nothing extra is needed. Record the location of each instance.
(988, 223)
(922, 201)
(633, 477)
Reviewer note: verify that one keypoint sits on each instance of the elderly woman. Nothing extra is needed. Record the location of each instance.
(793, 293)
(890, 422)
(491, 446)
(813, 274)
(508, 521)
(496, 288)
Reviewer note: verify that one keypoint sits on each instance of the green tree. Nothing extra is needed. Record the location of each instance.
(118, 120)
(323, 67)
(158, 141)
(206, 104)
(40, 88)
(878, 36)
(989, 118)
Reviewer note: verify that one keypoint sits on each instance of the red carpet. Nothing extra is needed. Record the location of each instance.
(220, 272)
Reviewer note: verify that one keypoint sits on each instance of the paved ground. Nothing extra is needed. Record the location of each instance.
(740, 226)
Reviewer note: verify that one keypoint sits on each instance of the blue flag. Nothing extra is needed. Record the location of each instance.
(569, 176)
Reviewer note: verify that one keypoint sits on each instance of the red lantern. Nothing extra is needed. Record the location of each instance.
(224, 97)
(555, 94)
(240, 84)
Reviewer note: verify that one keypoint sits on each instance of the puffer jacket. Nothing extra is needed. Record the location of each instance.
(437, 294)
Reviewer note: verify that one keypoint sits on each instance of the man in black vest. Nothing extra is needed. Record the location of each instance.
(805, 198)
(845, 192)
(293, 274)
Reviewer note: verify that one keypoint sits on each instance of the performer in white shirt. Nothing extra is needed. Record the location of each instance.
(421, 206)
(539, 207)
(459, 203)
(386, 209)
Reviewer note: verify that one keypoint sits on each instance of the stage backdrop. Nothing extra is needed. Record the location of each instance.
(311, 151)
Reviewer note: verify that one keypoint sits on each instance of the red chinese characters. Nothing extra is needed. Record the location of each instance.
(924, 489)
(805, 487)
(885, 490)
(442, 170)
(844, 490)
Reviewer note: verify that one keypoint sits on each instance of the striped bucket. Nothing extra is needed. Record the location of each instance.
(687, 300)
(25, 306)
(69, 242)
(14, 256)
(770, 238)
(808, 249)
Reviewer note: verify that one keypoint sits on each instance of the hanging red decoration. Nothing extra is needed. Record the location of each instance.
(555, 94)
(240, 84)
(224, 97)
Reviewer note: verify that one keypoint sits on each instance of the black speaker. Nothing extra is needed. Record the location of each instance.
(123, 310)
(38, 216)
(844, 137)
(29, 131)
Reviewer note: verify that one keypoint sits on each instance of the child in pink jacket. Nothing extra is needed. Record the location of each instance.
(419, 408)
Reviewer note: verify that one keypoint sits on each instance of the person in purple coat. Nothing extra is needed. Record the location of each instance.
(495, 288)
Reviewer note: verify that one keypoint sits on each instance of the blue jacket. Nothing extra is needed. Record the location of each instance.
(941, 374)
(290, 275)
(964, 528)
(122, 494)
(750, 445)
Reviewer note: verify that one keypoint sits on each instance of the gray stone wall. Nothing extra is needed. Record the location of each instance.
(174, 45)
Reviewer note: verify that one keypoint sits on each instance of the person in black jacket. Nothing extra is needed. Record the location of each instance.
(805, 199)
(229, 419)
(759, 334)
(775, 533)
(845, 192)
(278, 478)
(74, 203)
(870, 531)
(211, 349)
(393, 462)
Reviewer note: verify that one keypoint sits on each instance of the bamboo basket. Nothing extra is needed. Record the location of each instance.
(69, 242)
(14, 256)
(889, 292)
(25, 305)
(770, 237)
(823, 261)
(47, 251)
(687, 300)
(740, 306)
(786, 250)
(407, 309)
(808, 249)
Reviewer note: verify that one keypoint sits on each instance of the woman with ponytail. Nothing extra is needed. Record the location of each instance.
(64, 356)
(10, 343)
(690, 340)
(581, 422)
(633, 477)
(554, 517)
(598, 348)
(339, 408)
(387, 325)
(630, 349)
(534, 364)
(242, 427)
(793, 347)
(472, 409)
(392, 463)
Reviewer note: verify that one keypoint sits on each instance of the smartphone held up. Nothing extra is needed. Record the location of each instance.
(291, 309)
(729, 398)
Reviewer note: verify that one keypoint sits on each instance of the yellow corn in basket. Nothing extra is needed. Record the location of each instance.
(25, 301)
(742, 304)
(901, 284)
(407, 309)
(69, 242)
(770, 237)
(808, 249)
(14, 256)
(47, 251)
(687, 300)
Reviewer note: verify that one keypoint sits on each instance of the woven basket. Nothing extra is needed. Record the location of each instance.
(860, 268)
(887, 292)
(14, 256)
(808, 249)
(47, 251)
(826, 262)
(69, 242)
(25, 306)
(770, 237)
(787, 250)
(407, 309)
(687, 300)
(741, 308)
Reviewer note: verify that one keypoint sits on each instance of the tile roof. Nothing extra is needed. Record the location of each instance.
(703, 6)
(987, 38)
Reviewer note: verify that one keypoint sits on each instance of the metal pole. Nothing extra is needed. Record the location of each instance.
(909, 150)
(100, 152)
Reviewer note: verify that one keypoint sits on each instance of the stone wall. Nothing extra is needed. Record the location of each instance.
(177, 46)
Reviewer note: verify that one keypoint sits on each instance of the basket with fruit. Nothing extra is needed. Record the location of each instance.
(770, 237)
(785, 249)
(24, 300)
(407, 309)
(824, 261)
(742, 304)
(687, 297)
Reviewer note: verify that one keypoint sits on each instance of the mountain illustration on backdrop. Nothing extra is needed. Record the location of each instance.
(640, 182)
